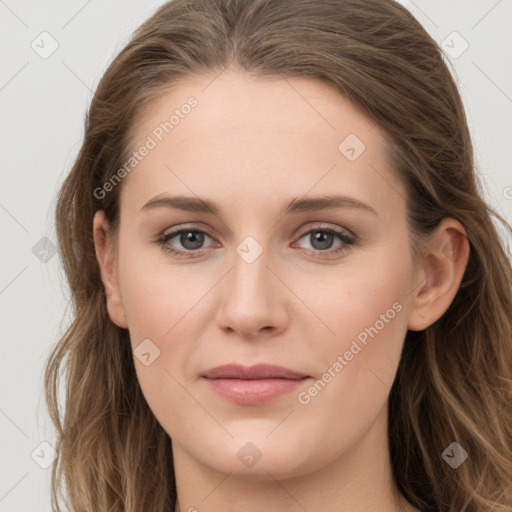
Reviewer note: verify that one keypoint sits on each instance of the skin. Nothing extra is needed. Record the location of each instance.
(250, 146)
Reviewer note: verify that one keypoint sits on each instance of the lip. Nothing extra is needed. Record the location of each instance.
(253, 385)
(258, 371)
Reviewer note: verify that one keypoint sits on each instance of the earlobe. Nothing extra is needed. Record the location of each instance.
(106, 256)
(446, 256)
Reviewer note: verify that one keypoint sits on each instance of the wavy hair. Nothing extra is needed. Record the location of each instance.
(454, 380)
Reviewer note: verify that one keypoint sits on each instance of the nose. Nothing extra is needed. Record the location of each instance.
(253, 300)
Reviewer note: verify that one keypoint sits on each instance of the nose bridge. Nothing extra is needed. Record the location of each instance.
(251, 300)
(250, 276)
(250, 284)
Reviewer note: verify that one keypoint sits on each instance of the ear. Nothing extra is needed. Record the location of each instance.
(107, 259)
(445, 258)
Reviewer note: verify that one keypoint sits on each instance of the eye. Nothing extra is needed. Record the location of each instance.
(323, 240)
(190, 240)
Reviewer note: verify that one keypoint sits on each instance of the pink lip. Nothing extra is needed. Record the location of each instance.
(252, 385)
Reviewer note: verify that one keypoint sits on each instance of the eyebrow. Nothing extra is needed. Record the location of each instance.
(296, 205)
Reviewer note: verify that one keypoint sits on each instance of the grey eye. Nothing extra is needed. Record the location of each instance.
(191, 239)
(321, 240)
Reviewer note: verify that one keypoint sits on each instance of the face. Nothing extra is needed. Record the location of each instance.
(289, 247)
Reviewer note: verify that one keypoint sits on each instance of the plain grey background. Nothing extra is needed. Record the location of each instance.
(52, 55)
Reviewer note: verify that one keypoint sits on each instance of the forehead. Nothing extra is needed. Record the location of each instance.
(248, 104)
(271, 136)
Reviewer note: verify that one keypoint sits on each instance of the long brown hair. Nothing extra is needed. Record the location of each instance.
(454, 379)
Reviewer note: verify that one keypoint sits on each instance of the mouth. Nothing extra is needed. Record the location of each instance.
(253, 385)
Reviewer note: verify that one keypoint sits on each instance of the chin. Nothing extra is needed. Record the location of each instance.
(256, 456)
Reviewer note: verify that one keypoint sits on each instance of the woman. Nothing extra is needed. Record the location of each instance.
(289, 293)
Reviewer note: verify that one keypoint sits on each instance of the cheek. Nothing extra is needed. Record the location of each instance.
(357, 364)
(163, 305)
(352, 300)
(157, 296)
(365, 308)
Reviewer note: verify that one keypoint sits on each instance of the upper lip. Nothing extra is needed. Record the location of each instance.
(259, 371)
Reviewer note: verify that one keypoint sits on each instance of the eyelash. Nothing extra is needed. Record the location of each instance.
(343, 236)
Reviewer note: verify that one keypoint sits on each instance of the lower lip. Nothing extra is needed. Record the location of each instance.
(253, 392)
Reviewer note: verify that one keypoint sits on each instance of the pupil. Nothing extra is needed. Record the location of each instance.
(192, 239)
(321, 240)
